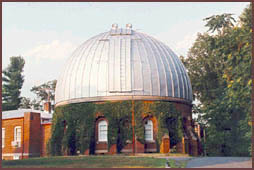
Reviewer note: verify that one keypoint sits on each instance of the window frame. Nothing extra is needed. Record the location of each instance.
(16, 157)
(3, 137)
(149, 123)
(16, 134)
(102, 132)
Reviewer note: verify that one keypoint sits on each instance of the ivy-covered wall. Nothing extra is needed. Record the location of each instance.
(73, 126)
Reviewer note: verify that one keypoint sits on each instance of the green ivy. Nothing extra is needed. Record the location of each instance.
(80, 122)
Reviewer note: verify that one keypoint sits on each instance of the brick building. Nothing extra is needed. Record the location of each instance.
(25, 133)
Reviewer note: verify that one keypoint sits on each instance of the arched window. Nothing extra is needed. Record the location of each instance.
(103, 131)
(149, 131)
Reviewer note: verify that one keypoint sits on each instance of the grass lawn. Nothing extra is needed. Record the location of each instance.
(105, 161)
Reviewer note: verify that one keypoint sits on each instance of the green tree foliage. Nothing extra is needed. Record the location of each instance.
(25, 103)
(36, 105)
(45, 90)
(219, 22)
(12, 83)
(219, 67)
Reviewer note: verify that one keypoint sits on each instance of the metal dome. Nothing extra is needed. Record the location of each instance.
(123, 64)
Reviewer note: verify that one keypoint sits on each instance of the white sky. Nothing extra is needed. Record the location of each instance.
(45, 34)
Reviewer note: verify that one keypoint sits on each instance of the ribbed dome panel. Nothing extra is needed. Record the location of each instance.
(123, 65)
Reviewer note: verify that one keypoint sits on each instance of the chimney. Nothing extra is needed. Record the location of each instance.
(47, 107)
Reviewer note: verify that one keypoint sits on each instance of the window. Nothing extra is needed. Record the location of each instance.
(17, 134)
(3, 137)
(15, 157)
(149, 131)
(103, 131)
(17, 137)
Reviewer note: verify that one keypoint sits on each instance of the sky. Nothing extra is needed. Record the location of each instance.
(45, 34)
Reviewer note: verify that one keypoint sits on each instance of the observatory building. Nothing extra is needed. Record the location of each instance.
(125, 65)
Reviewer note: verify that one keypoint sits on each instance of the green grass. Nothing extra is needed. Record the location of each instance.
(116, 161)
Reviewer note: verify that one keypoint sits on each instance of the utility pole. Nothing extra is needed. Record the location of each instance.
(204, 141)
(133, 128)
(47, 104)
(47, 90)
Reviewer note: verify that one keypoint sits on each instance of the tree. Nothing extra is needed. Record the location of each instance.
(45, 90)
(219, 22)
(36, 105)
(12, 83)
(25, 103)
(219, 68)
